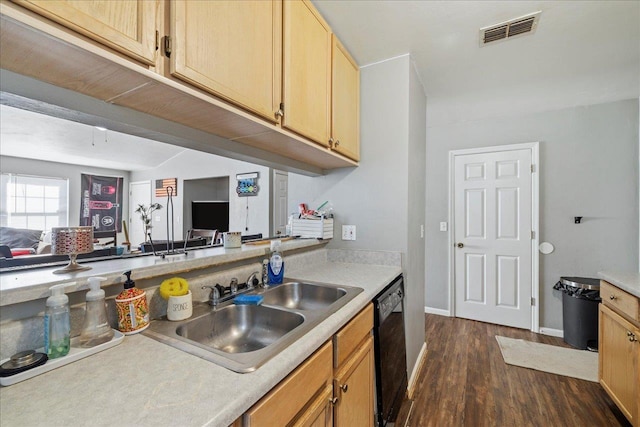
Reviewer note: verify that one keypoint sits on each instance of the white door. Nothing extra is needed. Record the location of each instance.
(492, 237)
(279, 202)
(139, 194)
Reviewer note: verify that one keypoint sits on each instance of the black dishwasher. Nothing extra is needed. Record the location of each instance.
(390, 352)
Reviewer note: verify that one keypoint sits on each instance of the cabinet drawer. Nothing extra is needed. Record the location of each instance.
(348, 338)
(620, 300)
(284, 402)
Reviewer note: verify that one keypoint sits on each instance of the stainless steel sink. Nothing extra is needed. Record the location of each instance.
(244, 337)
(303, 296)
(240, 328)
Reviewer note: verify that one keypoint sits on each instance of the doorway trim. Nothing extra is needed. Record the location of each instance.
(535, 222)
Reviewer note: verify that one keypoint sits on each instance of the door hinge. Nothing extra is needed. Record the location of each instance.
(533, 235)
(167, 46)
(280, 113)
(533, 302)
(533, 168)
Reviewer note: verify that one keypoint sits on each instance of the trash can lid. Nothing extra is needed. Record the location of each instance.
(581, 282)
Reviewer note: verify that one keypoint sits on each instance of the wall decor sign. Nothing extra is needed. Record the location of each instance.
(163, 184)
(247, 184)
(101, 202)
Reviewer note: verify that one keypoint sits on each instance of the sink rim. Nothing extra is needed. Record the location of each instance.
(164, 330)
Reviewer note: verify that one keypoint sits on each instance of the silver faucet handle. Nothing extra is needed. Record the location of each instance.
(214, 296)
(253, 280)
(234, 285)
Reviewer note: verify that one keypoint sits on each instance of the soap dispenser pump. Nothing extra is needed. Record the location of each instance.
(96, 329)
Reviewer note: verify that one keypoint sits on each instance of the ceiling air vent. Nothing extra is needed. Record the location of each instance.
(514, 27)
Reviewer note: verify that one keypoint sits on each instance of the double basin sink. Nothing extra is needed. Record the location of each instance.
(243, 337)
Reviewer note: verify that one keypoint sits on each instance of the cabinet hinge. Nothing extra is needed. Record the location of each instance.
(533, 235)
(533, 168)
(157, 40)
(280, 113)
(533, 302)
(167, 46)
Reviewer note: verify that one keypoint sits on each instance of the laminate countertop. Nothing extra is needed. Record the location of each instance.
(629, 282)
(143, 382)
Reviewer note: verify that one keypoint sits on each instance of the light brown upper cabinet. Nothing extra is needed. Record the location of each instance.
(307, 71)
(232, 49)
(126, 26)
(345, 102)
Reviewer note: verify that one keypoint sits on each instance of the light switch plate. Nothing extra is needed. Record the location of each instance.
(443, 226)
(348, 232)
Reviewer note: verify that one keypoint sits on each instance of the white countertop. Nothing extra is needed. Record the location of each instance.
(25, 285)
(144, 382)
(627, 281)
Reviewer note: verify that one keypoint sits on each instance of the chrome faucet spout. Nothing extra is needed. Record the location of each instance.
(214, 296)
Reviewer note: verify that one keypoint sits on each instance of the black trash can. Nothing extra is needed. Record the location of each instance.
(580, 299)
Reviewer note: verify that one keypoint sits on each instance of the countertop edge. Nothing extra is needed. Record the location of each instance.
(627, 281)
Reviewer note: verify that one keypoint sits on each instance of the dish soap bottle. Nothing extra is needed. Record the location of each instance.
(133, 311)
(57, 325)
(96, 329)
(276, 264)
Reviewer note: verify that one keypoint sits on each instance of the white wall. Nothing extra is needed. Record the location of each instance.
(382, 197)
(588, 167)
(72, 173)
(194, 165)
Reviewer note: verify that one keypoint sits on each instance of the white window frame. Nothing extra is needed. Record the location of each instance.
(6, 214)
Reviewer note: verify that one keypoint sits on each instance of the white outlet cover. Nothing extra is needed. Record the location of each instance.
(348, 232)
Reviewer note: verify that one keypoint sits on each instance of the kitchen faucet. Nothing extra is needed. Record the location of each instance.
(233, 286)
(253, 280)
(214, 296)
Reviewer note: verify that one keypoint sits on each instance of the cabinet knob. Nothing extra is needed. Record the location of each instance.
(333, 400)
(331, 142)
(279, 114)
(344, 387)
(337, 142)
(612, 297)
(633, 338)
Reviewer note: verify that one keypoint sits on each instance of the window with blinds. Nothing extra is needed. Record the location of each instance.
(34, 202)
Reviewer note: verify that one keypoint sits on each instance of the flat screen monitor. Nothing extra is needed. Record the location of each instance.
(210, 215)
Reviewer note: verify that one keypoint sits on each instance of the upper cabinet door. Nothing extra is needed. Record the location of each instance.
(345, 111)
(307, 71)
(231, 49)
(128, 26)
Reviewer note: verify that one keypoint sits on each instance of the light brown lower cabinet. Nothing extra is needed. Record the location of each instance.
(619, 350)
(334, 386)
(295, 396)
(353, 389)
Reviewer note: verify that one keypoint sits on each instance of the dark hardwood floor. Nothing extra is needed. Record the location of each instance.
(465, 382)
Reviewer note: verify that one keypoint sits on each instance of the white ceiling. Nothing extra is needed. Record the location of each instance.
(583, 52)
(36, 136)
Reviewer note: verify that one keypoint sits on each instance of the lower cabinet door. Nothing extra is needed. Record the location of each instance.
(619, 361)
(353, 387)
(320, 412)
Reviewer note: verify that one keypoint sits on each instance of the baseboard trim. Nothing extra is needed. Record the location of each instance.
(422, 357)
(438, 311)
(552, 332)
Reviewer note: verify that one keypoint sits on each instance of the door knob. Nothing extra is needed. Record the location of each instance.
(460, 245)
